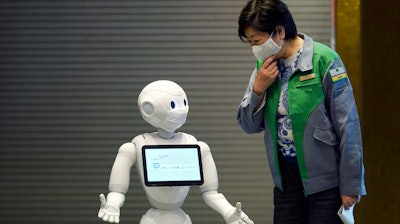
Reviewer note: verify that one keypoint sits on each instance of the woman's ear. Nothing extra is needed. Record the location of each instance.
(281, 31)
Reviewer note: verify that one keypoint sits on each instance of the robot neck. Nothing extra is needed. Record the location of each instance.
(165, 134)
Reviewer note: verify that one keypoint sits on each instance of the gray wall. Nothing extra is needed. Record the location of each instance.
(70, 74)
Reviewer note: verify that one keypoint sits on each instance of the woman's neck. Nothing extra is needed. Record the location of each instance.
(289, 48)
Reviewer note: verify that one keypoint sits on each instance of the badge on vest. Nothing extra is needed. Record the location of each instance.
(338, 74)
(307, 77)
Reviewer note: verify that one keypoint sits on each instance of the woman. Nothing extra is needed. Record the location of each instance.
(300, 95)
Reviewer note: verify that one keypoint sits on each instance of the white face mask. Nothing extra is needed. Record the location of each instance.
(265, 50)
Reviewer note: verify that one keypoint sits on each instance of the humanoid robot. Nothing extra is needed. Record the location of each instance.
(163, 104)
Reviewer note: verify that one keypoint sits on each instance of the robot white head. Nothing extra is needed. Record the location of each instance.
(164, 105)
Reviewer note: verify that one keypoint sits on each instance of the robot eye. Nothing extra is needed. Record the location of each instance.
(174, 104)
(185, 102)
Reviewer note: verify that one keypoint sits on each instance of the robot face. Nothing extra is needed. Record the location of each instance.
(163, 104)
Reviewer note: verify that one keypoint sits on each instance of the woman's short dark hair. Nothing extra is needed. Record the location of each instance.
(264, 16)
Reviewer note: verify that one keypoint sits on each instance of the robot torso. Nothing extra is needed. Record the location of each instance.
(162, 197)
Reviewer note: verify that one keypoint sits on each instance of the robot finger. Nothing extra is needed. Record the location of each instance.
(248, 221)
(105, 218)
(103, 200)
(111, 219)
(100, 214)
(238, 207)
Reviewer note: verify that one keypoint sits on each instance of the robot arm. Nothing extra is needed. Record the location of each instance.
(215, 200)
(120, 173)
(118, 185)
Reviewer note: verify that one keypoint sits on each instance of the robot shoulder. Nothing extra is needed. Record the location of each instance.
(128, 147)
(188, 138)
(203, 147)
(128, 150)
(144, 139)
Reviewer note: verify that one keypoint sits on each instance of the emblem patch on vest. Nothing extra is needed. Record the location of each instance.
(338, 74)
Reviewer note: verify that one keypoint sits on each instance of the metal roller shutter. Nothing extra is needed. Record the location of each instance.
(70, 75)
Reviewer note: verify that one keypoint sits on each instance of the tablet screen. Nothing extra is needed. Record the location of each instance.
(172, 165)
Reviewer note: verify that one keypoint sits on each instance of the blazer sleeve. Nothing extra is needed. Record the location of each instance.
(249, 121)
(342, 109)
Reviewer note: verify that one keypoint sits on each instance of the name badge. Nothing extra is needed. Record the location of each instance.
(307, 77)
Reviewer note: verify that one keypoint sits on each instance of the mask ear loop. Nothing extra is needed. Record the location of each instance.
(272, 33)
(277, 32)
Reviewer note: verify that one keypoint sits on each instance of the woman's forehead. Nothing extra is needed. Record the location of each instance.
(252, 33)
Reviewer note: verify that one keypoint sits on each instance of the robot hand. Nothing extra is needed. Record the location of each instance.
(109, 210)
(237, 216)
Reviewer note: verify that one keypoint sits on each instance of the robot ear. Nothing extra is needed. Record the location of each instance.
(147, 108)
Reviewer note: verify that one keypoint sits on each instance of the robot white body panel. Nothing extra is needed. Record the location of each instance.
(163, 104)
(170, 197)
(166, 201)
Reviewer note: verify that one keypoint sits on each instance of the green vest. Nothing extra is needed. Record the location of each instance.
(305, 93)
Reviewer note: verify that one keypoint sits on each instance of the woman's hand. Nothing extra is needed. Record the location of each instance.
(266, 76)
(349, 201)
